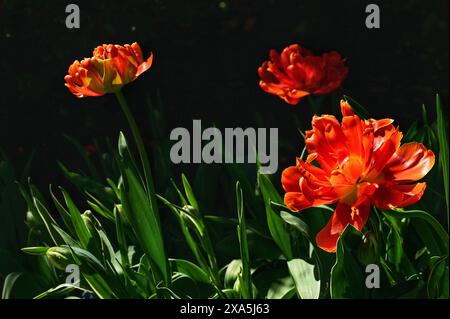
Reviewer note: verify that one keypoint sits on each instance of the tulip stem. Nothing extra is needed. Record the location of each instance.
(140, 146)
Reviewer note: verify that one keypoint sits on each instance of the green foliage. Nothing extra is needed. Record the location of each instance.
(442, 134)
(347, 275)
(245, 277)
(133, 240)
(276, 224)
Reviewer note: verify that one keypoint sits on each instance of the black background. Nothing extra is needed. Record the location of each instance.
(206, 55)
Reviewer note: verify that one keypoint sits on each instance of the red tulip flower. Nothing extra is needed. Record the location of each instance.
(110, 68)
(296, 73)
(360, 163)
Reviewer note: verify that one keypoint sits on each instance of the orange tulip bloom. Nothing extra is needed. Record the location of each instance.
(110, 68)
(360, 163)
(296, 72)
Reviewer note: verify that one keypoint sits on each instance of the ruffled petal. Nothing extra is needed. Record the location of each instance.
(145, 65)
(296, 201)
(343, 215)
(410, 163)
(327, 240)
(306, 185)
(390, 195)
(346, 109)
(327, 140)
(290, 179)
(296, 73)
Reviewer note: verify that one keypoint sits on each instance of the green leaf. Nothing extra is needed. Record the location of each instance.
(237, 173)
(412, 132)
(84, 183)
(99, 207)
(305, 282)
(428, 236)
(394, 248)
(68, 240)
(47, 219)
(87, 259)
(395, 253)
(437, 285)
(296, 222)
(306, 287)
(443, 151)
(62, 211)
(189, 193)
(186, 223)
(347, 276)
(140, 207)
(190, 269)
(272, 280)
(100, 286)
(276, 224)
(61, 291)
(439, 230)
(121, 239)
(145, 223)
(79, 226)
(9, 284)
(246, 282)
(35, 250)
(229, 294)
(232, 271)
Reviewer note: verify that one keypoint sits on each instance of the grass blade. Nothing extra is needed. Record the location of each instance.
(189, 193)
(246, 282)
(145, 223)
(79, 226)
(443, 151)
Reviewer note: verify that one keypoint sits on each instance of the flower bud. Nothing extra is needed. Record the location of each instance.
(89, 221)
(190, 210)
(60, 257)
(191, 217)
(31, 220)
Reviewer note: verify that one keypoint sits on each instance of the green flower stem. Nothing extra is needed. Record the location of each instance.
(141, 149)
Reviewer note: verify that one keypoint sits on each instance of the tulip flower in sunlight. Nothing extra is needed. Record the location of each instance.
(110, 68)
(360, 163)
(107, 71)
(296, 73)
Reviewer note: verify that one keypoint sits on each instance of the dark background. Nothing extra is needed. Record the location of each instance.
(206, 55)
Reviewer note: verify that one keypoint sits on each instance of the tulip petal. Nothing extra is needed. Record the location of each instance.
(326, 240)
(145, 65)
(328, 141)
(346, 109)
(136, 49)
(306, 186)
(296, 201)
(390, 196)
(290, 179)
(410, 163)
(343, 215)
